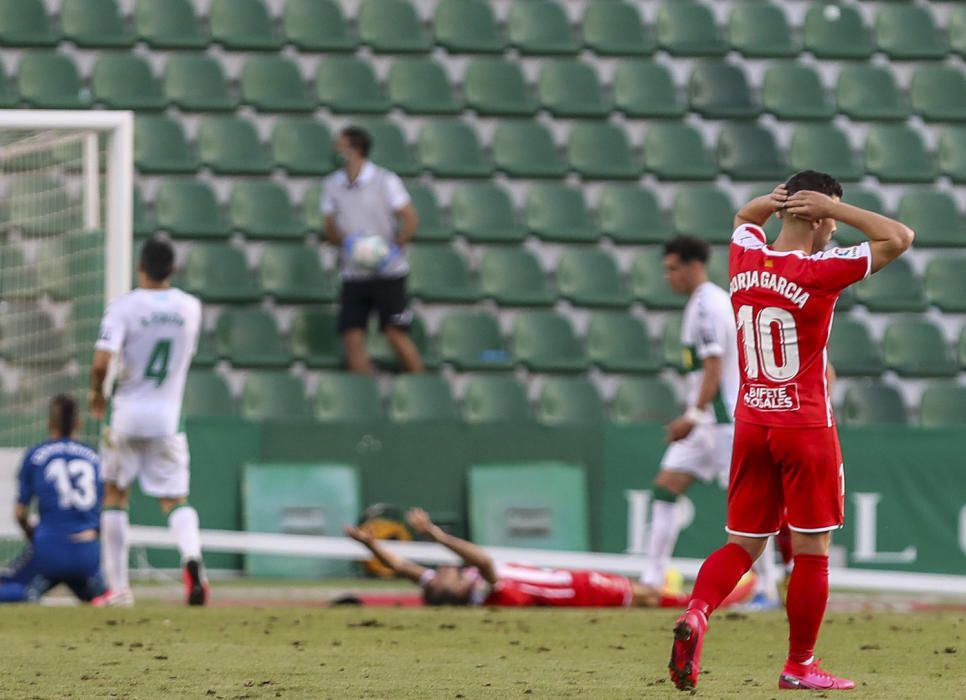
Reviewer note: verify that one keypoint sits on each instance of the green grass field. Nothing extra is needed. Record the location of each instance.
(161, 651)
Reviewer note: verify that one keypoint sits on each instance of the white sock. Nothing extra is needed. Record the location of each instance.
(115, 548)
(183, 522)
(664, 535)
(767, 571)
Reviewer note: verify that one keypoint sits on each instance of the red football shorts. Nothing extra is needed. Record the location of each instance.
(798, 470)
(594, 589)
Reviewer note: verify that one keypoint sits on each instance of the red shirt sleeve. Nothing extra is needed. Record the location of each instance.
(837, 268)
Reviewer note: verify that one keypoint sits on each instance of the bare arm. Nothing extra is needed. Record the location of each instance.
(408, 223)
(402, 567)
(467, 551)
(830, 376)
(22, 513)
(760, 209)
(332, 232)
(96, 400)
(681, 427)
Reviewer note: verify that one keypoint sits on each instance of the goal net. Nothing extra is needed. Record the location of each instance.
(65, 250)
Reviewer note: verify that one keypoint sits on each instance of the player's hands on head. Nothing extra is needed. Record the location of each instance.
(359, 534)
(420, 521)
(779, 196)
(810, 205)
(97, 404)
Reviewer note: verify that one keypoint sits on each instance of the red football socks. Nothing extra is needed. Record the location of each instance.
(718, 576)
(807, 599)
(674, 600)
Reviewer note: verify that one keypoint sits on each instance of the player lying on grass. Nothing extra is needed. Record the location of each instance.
(63, 476)
(483, 582)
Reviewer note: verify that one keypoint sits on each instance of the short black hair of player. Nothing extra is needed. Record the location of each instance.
(359, 139)
(63, 414)
(814, 181)
(157, 259)
(688, 248)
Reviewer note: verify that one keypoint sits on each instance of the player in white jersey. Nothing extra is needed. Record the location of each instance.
(152, 334)
(700, 440)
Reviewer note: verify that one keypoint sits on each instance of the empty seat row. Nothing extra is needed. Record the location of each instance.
(683, 28)
(942, 405)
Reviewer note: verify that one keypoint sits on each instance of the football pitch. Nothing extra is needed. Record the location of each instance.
(158, 650)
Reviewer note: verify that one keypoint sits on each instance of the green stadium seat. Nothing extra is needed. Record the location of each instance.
(646, 89)
(439, 274)
(207, 353)
(125, 81)
(392, 26)
(484, 213)
(250, 338)
(873, 404)
(169, 24)
(8, 93)
(631, 215)
(348, 84)
(915, 347)
(317, 25)
(206, 394)
(704, 211)
(569, 401)
(676, 151)
(497, 87)
(824, 147)
(945, 283)
(160, 146)
(243, 25)
(49, 80)
(869, 93)
(545, 342)
(526, 149)
(908, 32)
(495, 400)
(262, 209)
(718, 266)
(589, 277)
(687, 28)
(794, 91)
(644, 400)
(344, 397)
(18, 280)
(897, 153)
(956, 25)
(648, 284)
(144, 221)
(471, 340)
(274, 84)
(570, 88)
(750, 152)
(933, 216)
(719, 90)
(943, 405)
(312, 209)
(389, 148)
(188, 208)
(274, 395)
(452, 149)
(838, 33)
(961, 348)
(28, 336)
(39, 205)
(467, 26)
(25, 23)
(512, 277)
(421, 397)
(292, 273)
(559, 213)
(952, 153)
(851, 350)
(302, 146)
(421, 86)
(866, 199)
(315, 338)
(431, 224)
(95, 24)
(893, 288)
(540, 27)
(616, 29)
(761, 30)
(219, 273)
(197, 84)
(618, 342)
(230, 146)
(601, 151)
(939, 93)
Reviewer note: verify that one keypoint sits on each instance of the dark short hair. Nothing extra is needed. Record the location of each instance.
(688, 248)
(63, 414)
(157, 259)
(359, 139)
(814, 181)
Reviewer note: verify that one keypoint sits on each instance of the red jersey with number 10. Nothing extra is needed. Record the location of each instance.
(783, 304)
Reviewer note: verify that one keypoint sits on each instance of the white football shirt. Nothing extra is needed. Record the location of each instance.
(708, 330)
(154, 334)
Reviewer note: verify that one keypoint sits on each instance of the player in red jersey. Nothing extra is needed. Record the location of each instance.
(483, 582)
(786, 451)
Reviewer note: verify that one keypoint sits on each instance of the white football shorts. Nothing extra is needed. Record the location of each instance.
(705, 453)
(160, 464)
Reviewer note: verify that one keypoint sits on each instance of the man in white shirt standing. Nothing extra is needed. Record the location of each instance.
(152, 333)
(360, 201)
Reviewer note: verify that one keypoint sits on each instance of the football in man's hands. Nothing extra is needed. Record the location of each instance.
(370, 252)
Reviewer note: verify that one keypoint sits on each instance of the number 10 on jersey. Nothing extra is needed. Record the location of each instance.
(778, 361)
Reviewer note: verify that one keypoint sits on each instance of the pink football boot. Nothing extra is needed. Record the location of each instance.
(686, 652)
(811, 677)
